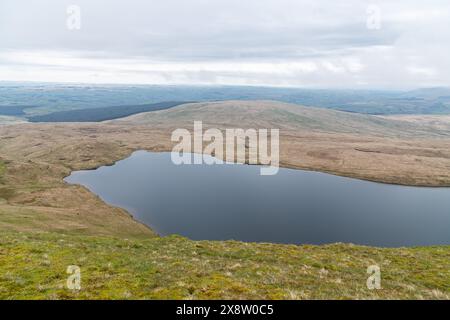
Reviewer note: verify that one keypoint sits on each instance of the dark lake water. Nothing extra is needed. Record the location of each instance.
(222, 202)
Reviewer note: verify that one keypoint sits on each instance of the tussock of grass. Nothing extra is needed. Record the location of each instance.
(33, 266)
(2, 170)
(5, 193)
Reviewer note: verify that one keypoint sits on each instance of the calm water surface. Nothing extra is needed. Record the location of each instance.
(222, 202)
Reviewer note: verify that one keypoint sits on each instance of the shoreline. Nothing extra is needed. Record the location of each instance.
(133, 215)
(40, 156)
(291, 167)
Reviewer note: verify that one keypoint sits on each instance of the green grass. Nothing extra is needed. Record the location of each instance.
(33, 266)
(5, 192)
(2, 170)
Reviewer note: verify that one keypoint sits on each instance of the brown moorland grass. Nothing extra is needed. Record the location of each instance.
(37, 209)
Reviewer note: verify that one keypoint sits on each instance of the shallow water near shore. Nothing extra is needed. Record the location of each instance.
(233, 201)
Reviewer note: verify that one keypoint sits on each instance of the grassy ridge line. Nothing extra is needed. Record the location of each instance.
(292, 117)
(33, 266)
(102, 114)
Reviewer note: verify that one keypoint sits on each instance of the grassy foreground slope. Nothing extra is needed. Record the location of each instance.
(47, 225)
(33, 266)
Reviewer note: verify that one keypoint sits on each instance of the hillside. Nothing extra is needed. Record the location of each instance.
(46, 224)
(271, 114)
(33, 266)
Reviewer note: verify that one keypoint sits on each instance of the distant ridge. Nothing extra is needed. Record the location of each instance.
(104, 113)
(286, 116)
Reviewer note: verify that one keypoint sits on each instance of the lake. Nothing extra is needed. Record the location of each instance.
(233, 201)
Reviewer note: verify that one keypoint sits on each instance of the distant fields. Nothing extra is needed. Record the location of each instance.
(14, 110)
(32, 100)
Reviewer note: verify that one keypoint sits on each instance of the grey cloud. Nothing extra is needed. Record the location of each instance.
(206, 32)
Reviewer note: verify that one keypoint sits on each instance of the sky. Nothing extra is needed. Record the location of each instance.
(288, 43)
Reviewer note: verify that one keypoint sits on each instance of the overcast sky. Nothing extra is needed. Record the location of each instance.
(351, 44)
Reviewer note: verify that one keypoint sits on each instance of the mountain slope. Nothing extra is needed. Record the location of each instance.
(270, 114)
(33, 266)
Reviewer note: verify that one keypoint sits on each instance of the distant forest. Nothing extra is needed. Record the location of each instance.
(101, 114)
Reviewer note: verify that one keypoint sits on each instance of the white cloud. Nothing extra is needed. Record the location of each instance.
(421, 71)
(267, 42)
